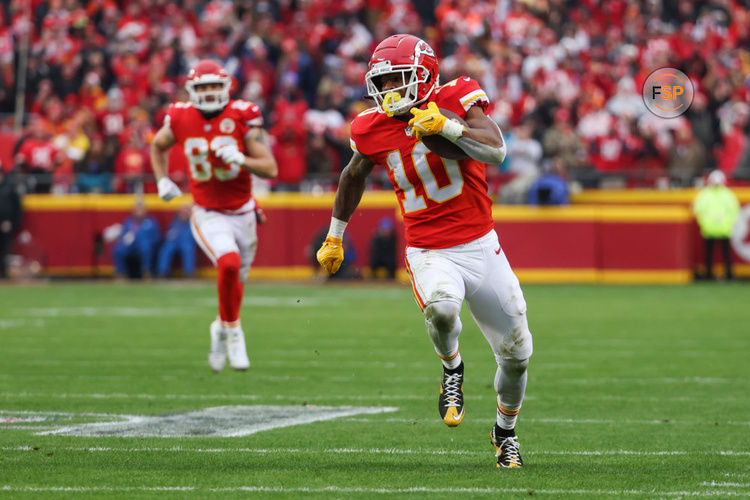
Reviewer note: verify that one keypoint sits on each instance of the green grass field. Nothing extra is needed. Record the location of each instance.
(635, 391)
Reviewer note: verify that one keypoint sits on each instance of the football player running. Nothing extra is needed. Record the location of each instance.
(224, 143)
(453, 253)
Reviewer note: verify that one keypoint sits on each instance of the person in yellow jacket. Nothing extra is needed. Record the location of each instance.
(716, 208)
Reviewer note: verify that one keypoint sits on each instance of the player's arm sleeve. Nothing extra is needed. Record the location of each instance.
(481, 138)
(352, 184)
(159, 151)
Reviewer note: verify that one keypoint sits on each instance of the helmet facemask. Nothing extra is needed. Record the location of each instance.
(208, 100)
(412, 76)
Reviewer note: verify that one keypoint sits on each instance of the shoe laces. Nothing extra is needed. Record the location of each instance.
(509, 447)
(452, 389)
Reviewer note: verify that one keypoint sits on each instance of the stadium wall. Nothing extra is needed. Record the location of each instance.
(590, 242)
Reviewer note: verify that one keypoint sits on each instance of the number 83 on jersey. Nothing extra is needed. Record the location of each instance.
(201, 168)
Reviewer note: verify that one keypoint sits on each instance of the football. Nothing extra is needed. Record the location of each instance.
(442, 146)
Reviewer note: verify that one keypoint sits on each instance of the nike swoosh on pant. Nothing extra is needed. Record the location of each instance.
(497, 252)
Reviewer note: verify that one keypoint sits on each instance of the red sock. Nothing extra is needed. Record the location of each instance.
(229, 287)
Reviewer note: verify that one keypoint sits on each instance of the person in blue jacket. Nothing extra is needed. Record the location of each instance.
(137, 243)
(178, 239)
(551, 188)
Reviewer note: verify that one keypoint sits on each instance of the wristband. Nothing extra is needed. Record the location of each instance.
(337, 228)
(452, 130)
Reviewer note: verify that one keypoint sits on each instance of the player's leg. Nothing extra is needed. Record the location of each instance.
(213, 233)
(439, 291)
(499, 309)
(245, 237)
(245, 233)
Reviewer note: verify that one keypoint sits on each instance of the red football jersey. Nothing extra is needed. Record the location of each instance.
(444, 202)
(214, 184)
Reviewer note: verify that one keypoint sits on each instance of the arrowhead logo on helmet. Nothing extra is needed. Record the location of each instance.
(414, 60)
(209, 74)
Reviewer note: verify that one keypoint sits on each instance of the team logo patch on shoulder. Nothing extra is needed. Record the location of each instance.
(226, 126)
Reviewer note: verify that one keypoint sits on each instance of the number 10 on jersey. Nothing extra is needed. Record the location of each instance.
(412, 201)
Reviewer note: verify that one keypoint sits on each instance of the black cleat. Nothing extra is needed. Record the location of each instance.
(451, 401)
(507, 451)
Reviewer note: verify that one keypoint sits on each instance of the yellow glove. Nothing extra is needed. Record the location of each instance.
(431, 121)
(331, 254)
(428, 121)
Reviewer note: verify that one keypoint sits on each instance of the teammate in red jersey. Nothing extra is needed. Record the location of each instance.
(453, 253)
(224, 143)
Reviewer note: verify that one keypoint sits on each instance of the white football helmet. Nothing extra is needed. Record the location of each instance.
(207, 71)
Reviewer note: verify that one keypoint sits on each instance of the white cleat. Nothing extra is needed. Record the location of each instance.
(217, 356)
(236, 349)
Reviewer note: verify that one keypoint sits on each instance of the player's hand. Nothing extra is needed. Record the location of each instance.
(431, 121)
(230, 154)
(331, 254)
(167, 189)
(260, 216)
(428, 121)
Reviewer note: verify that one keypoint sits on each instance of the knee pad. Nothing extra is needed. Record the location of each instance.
(442, 315)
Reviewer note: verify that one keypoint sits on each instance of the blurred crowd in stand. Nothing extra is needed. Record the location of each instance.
(564, 78)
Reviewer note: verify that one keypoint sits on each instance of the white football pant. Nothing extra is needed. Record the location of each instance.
(219, 233)
(479, 273)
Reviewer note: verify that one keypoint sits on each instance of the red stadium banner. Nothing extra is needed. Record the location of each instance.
(587, 243)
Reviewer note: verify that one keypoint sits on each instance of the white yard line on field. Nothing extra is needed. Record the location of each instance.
(63, 413)
(363, 490)
(649, 380)
(277, 397)
(121, 311)
(6, 324)
(573, 421)
(21, 427)
(361, 397)
(251, 301)
(383, 451)
(270, 378)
